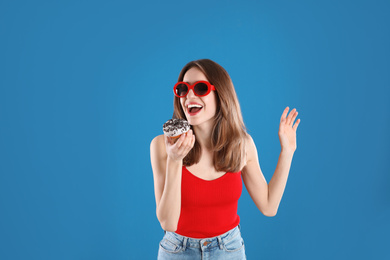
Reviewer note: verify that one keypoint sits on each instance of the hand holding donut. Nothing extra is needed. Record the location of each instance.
(179, 139)
(179, 149)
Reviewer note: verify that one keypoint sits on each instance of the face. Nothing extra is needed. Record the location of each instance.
(208, 103)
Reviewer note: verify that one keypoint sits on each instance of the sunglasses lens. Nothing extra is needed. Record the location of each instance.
(181, 90)
(201, 89)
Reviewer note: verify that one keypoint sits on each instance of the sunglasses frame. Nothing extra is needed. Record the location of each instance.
(210, 87)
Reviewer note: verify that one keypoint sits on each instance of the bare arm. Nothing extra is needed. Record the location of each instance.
(267, 197)
(166, 158)
(168, 211)
(288, 142)
(278, 181)
(254, 179)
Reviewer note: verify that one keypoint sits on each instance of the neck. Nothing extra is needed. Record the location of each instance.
(203, 135)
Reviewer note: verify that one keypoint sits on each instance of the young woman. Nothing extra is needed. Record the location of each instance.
(197, 179)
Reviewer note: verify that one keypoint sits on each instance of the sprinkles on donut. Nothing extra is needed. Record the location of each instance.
(175, 127)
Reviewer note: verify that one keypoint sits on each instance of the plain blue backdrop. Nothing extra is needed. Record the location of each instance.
(86, 85)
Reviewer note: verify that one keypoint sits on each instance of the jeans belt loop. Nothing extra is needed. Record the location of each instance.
(220, 242)
(185, 243)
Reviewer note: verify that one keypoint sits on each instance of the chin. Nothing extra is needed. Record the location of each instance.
(193, 121)
(197, 121)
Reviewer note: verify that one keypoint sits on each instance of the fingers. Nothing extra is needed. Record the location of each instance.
(167, 140)
(283, 117)
(185, 146)
(179, 141)
(179, 149)
(290, 118)
(294, 117)
(296, 124)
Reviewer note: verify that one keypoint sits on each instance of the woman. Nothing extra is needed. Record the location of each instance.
(197, 179)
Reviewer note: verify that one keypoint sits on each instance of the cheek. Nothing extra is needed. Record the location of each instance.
(182, 104)
(215, 108)
(214, 101)
(212, 104)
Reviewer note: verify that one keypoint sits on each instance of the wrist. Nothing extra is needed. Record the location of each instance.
(287, 151)
(174, 161)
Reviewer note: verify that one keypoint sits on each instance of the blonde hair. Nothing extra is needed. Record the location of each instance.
(229, 132)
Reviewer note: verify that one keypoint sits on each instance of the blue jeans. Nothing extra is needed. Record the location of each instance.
(229, 245)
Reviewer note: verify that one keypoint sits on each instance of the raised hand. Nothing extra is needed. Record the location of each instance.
(287, 131)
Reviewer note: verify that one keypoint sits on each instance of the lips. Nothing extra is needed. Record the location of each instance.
(193, 108)
(194, 111)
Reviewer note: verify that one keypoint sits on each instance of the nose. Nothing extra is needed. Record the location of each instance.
(190, 93)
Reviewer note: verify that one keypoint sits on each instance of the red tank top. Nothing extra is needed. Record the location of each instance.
(208, 208)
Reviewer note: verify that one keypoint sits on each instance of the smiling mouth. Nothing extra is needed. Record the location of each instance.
(194, 110)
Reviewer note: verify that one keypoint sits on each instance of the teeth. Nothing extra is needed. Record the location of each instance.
(193, 105)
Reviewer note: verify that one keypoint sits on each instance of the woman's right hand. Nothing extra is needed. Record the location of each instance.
(178, 150)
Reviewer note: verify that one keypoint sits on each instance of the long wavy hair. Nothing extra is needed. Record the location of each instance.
(229, 132)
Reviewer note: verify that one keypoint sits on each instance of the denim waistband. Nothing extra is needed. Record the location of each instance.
(203, 242)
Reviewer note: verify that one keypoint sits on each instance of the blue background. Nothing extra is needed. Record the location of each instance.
(86, 85)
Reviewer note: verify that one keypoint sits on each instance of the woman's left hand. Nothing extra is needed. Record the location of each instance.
(287, 131)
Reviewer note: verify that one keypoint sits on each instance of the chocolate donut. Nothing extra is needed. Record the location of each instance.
(174, 128)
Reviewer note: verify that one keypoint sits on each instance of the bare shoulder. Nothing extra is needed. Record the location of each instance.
(248, 139)
(250, 148)
(157, 146)
(159, 138)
